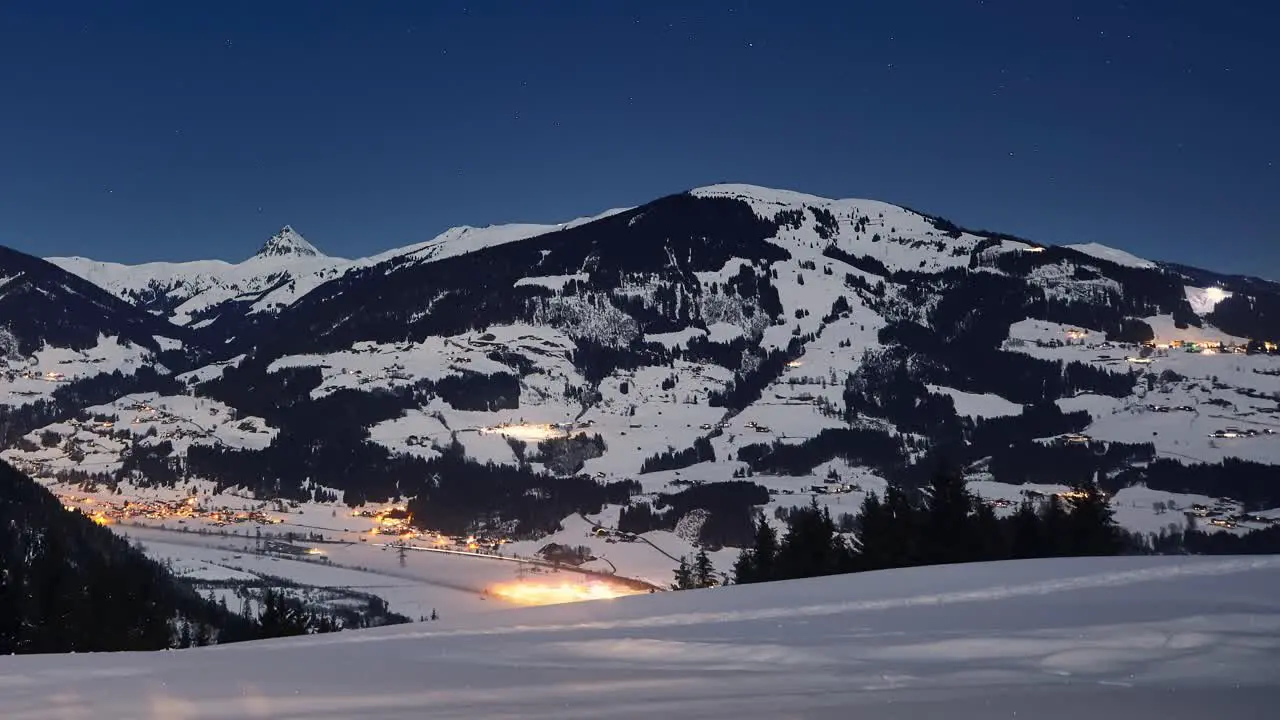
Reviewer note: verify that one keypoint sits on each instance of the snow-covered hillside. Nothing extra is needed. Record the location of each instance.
(56, 329)
(1167, 638)
(644, 382)
(1120, 257)
(24, 380)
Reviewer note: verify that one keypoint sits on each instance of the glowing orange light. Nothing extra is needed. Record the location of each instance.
(541, 593)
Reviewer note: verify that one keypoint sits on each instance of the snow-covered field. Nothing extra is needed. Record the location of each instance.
(1166, 638)
(1182, 397)
(449, 584)
(24, 380)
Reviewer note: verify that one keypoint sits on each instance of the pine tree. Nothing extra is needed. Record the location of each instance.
(703, 570)
(902, 528)
(812, 547)
(1028, 540)
(1054, 521)
(948, 535)
(872, 536)
(684, 576)
(203, 635)
(1092, 528)
(744, 568)
(988, 534)
(757, 563)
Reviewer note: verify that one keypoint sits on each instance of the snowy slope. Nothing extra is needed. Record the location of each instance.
(464, 239)
(900, 238)
(1119, 257)
(1134, 638)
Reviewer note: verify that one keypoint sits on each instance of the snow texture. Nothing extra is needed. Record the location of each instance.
(1126, 637)
(1119, 257)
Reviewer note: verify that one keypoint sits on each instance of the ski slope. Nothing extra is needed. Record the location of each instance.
(1089, 637)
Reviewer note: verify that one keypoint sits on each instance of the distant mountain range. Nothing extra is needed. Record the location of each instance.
(206, 293)
(679, 365)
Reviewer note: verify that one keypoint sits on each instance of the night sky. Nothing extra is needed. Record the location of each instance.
(135, 131)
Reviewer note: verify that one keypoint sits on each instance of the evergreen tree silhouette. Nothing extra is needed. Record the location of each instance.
(703, 570)
(1092, 524)
(683, 576)
(756, 564)
(949, 535)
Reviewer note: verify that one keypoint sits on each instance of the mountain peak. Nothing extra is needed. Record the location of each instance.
(287, 243)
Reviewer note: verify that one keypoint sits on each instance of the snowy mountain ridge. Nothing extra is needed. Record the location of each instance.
(198, 293)
(287, 267)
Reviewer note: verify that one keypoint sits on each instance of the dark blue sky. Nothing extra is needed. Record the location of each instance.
(176, 130)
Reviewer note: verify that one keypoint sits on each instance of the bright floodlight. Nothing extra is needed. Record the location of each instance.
(527, 592)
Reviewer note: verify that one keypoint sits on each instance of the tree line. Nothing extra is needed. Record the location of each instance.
(941, 523)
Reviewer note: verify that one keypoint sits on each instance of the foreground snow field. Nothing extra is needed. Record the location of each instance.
(1112, 638)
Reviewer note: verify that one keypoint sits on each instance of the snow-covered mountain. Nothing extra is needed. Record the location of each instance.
(56, 328)
(203, 293)
(670, 369)
(42, 305)
(197, 294)
(1169, 638)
